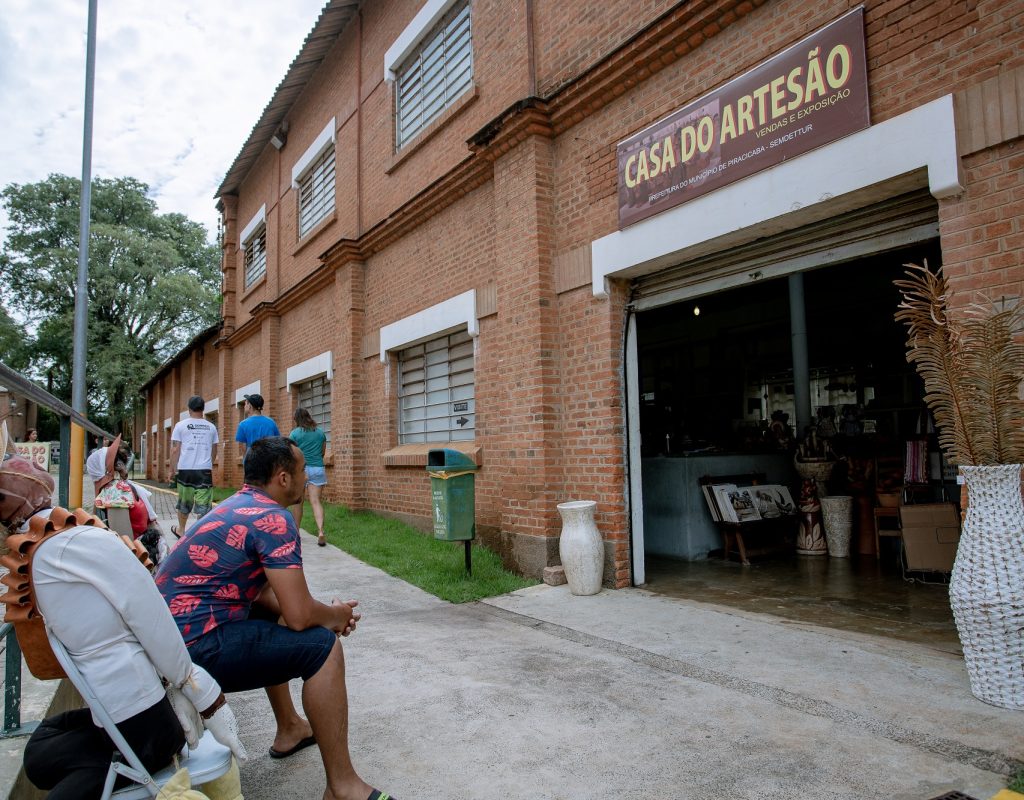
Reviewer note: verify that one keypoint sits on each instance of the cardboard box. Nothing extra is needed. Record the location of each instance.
(931, 533)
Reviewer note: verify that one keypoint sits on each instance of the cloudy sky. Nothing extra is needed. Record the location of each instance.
(179, 86)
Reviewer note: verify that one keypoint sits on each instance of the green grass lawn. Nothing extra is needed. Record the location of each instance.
(435, 566)
(400, 550)
(223, 492)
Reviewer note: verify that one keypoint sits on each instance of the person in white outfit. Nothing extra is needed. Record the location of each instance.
(103, 605)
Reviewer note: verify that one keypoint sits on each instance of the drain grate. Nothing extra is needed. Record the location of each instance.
(954, 796)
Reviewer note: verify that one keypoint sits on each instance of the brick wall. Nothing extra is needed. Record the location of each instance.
(983, 230)
(529, 193)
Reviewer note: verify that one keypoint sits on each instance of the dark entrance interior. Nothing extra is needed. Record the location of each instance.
(714, 369)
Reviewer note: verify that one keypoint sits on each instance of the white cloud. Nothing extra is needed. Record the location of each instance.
(178, 88)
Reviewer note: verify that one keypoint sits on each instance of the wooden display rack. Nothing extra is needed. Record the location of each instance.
(780, 529)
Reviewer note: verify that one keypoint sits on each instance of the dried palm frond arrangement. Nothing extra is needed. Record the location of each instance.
(972, 369)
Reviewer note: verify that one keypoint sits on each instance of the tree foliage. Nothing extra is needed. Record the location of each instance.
(153, 285)
(13, 350)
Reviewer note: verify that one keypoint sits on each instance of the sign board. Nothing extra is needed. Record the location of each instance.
(810, 94)
(37, 452)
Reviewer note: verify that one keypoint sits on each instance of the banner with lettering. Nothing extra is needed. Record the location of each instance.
(810, 94)
(37, 452)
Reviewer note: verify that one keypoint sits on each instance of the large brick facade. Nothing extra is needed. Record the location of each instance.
(504, 194)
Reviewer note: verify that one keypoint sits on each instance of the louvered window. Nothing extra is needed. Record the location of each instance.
(435, 75)
(256, 256)
(315, 397)
(436, 391)
(316, 192)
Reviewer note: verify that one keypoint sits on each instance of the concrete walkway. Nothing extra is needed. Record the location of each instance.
(540, 694)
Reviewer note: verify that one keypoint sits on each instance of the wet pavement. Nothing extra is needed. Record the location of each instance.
(858, 594)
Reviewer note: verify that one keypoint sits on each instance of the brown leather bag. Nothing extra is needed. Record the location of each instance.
(29, 625)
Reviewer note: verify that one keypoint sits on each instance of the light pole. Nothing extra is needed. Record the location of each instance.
(81, 329)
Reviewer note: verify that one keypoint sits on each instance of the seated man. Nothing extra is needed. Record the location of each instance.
(244, 557)
(103, 606)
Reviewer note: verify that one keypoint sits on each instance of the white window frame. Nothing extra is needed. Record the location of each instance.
(424, 47)
(311, 165)
(212, 407)
(249, 388)
(441, 320)
(254, 237)
(414, 33)
(322, 364)
(432, 397)
(306, 372)
(324, 381)
(444, 317)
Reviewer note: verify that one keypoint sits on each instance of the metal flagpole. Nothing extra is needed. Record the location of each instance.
(81, 329)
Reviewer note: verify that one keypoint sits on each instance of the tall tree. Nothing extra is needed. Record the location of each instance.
(13, 342)
(153, 284)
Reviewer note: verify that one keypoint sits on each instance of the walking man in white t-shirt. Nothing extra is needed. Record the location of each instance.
(193, 450)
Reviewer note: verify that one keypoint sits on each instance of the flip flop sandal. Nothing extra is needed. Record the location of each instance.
(321, 541)
(302, 745)
(174, 530)
(376, 794)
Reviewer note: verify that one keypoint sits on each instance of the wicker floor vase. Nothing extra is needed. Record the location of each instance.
(837, 515)
(985, 588)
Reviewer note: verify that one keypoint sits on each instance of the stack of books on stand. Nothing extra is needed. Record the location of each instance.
(728, 502)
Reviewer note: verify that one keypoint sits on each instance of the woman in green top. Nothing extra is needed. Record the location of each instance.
(313, 443)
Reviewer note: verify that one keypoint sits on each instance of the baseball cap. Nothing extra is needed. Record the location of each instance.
(196, 403)
(255, 400)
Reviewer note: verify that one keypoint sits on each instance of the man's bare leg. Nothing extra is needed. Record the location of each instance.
(325, 701)
(182, 522)
(291, 728)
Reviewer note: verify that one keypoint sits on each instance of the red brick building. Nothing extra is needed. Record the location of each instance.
(422, 242)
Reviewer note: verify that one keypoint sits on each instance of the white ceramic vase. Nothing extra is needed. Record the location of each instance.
(580, 547)
(837, 516)
(985, 588)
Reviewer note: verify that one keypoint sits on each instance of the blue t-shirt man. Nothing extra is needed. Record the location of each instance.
(255, 426)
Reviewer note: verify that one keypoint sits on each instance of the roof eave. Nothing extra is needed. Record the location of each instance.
(329, 25)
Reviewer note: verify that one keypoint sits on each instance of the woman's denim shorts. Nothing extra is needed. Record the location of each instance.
(316, 475)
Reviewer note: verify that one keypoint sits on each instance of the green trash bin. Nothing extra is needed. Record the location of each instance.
(453, 493)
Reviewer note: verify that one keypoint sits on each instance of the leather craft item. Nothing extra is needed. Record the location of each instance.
(108, 465)
(22, 612)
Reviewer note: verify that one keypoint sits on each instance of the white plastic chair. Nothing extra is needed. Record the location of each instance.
(207, 762)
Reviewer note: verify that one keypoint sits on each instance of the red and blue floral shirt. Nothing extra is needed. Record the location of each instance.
(217, 569)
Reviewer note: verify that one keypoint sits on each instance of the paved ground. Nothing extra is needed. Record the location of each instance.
(540, 694)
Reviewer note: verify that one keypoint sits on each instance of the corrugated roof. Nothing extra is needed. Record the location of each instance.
(200, 338)
(332, 21)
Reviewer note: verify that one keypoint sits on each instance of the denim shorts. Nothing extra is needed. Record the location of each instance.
(316, 475)
(256, 653)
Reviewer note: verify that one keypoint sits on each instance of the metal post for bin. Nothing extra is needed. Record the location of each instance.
(453, 498)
